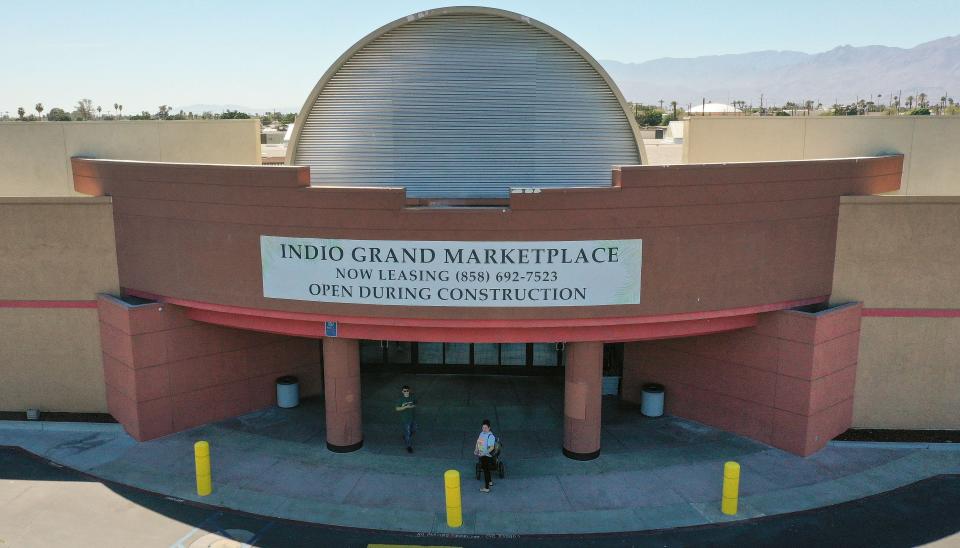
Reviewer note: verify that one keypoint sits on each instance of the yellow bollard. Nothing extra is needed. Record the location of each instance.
(201, 454)
(451, 481)
(731, 488)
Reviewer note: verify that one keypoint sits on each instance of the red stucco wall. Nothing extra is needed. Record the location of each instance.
(787, 382)
(165, 373)
(716, 237)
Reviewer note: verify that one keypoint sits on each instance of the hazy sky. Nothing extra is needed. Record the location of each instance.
(271, 53)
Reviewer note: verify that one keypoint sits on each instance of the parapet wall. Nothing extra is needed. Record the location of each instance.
(36, 155)
(930, 144)
(731, 236)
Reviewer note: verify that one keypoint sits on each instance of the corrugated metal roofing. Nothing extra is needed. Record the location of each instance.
(465, 106)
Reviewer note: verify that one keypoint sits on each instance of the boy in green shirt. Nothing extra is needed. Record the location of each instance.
(406, 406)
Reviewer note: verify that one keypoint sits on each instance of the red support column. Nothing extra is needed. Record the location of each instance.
(341, 388)
(582, 399)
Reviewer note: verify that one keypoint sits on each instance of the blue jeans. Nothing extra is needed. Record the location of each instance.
(409, 429)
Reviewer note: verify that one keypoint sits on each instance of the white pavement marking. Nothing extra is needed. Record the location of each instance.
(211, 517)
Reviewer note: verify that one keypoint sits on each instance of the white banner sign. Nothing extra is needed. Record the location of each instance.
(441, 273)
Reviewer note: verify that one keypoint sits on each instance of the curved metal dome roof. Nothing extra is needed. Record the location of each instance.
(464, 102)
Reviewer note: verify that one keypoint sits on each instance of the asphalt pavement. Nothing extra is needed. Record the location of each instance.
(46, 504)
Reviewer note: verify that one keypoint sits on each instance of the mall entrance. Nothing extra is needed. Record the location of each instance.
(476, 358)
(464, 358)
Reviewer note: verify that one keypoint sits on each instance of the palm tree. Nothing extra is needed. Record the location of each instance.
(20, 112)
(98, 111)
(909, 101)
(673, 105)
(39, 109)
(120, 110)
(922, 100)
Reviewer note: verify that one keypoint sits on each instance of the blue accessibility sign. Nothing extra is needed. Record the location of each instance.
(330, 329)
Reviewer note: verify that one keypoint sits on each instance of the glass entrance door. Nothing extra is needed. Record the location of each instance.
(436, 357)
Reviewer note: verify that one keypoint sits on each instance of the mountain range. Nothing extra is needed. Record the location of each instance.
(841, 75)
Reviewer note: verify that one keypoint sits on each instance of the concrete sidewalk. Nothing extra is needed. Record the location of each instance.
(652, 473)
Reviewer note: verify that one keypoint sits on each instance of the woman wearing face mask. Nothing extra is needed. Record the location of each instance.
(485, 446)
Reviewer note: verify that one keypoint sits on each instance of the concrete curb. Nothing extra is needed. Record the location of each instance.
(52, 426)
(897, 445)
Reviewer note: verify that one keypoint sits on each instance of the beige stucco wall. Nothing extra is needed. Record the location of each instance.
(50, 360)
(60, 252)
(930, 144)
(57, 248)
(903, 252)
(36, 155)
(909, 374)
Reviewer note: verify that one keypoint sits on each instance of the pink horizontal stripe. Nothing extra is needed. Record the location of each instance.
(911, 313)
(48, 304)
(519, 333)
(448, 323)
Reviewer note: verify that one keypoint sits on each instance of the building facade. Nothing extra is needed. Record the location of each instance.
(468, 194)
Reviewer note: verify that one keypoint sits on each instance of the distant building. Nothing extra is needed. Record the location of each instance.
(714, 109)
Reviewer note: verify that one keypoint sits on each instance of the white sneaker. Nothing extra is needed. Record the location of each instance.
(484, 490)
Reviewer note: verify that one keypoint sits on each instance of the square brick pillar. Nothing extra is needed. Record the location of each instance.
(341, 380)
(582, 393)
(788, 382)
(166, 373)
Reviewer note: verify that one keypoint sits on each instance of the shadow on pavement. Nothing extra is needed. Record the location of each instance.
(915, 514)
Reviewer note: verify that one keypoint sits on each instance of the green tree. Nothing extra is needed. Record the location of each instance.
(846, 110)
(20, 112)
(57, 114)
(84, 110)
(39, 108)
(163, 112)
(99, 110)
(234, 115)
(144, 115)
(920, 111)
(649, 117)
